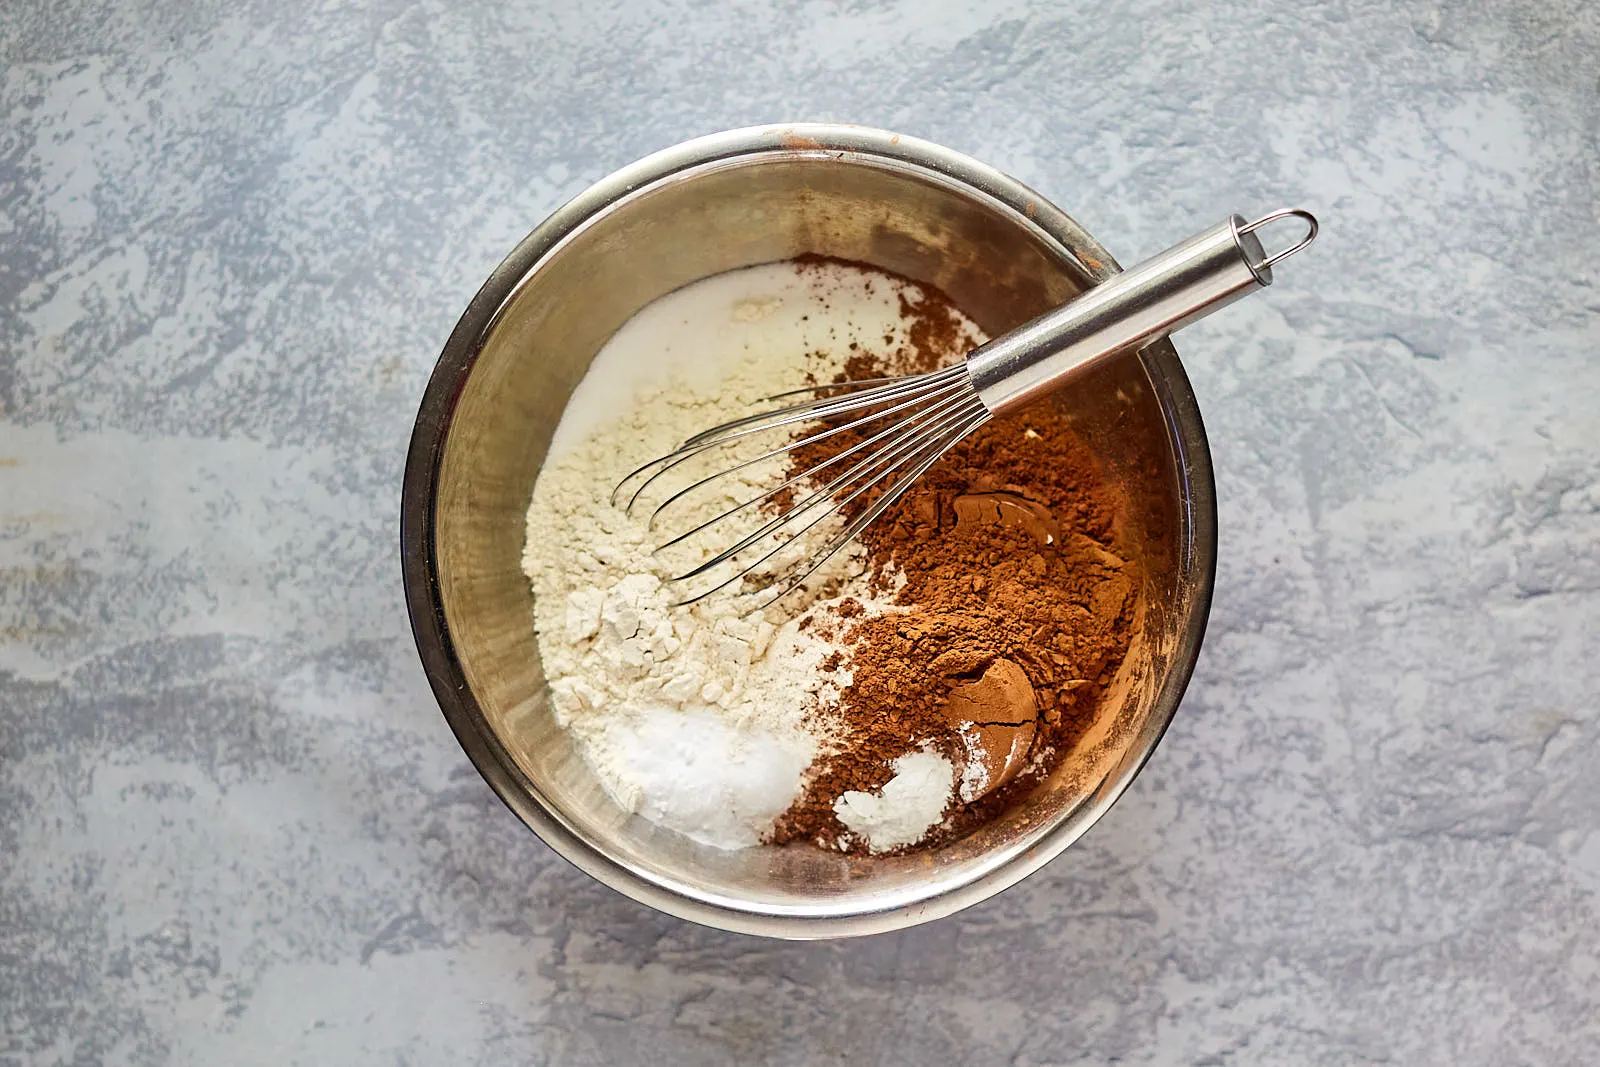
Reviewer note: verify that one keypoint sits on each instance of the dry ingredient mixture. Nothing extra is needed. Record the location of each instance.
(701, 719)
(958, 653)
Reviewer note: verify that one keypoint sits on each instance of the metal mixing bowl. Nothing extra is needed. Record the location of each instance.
(1004, 254)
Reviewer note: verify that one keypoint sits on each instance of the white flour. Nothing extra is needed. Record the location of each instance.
(697, 718)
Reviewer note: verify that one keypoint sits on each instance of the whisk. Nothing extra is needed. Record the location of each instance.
(906, 424)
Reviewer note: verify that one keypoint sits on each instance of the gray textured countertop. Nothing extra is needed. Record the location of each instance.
(234, 828)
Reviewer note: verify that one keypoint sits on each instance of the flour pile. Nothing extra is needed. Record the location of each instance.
(700, 719)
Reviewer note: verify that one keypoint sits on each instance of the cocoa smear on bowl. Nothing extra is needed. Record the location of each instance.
(1004, 549)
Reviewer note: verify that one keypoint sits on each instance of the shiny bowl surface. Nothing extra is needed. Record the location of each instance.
(718, 203)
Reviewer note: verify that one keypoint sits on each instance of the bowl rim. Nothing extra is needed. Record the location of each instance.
(424, 603)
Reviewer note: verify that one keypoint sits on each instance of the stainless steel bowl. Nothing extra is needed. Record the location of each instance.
(731, 200)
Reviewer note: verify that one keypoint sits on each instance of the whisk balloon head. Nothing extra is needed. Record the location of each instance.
(832, 464)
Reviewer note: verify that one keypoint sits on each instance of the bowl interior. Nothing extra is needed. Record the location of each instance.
(1002, 269)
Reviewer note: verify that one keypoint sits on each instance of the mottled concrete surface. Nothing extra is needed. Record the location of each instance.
(233, 826)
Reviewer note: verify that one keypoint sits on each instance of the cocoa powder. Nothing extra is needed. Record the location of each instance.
(1004, 550)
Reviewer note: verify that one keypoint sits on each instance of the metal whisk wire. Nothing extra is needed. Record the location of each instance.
(922, 451)
(895, 433)
(928, 414)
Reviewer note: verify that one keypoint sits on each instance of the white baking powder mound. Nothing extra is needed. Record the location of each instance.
(906, 808)
(699, 718)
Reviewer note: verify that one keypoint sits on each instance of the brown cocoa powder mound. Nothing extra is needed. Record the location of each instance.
(976, 591)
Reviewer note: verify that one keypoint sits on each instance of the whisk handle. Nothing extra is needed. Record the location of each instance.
(1162, 294)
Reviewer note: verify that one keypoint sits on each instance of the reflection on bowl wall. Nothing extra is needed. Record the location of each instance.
(719, 203)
